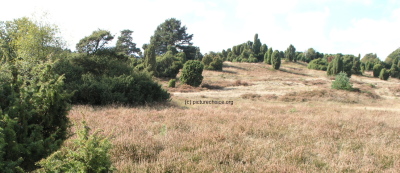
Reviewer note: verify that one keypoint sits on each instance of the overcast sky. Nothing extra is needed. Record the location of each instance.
(329, 26)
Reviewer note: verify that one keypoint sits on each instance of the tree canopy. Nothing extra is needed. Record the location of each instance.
(96, 41)
(170, 33)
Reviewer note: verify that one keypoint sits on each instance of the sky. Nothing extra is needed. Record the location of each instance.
(328, 26)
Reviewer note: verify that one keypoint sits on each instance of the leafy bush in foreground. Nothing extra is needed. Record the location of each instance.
(192, 73)
(33, 114)
(342, 82)
(88, 153)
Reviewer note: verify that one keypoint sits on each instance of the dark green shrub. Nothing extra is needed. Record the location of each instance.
(318, 64)
(192, 73)
(394, 71)
(87, 153)
(384, 74)
(342, 82)
(377, 70)
(335, 66)
(33, 114)
(276, 60)
(168, 65)
(134, 89)
(171, 83)
(212, 61)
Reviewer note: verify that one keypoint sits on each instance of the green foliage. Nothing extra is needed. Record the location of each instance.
(168, 65)
(87, 153)
(290, 53)
(267, 56)
(192, 73)
(256, 45)
(393, 57)
(96, 41)
(342, 82)
(356, 68)
(212, 61)
(276, 60)
(170, 33)
(133, 89)
(318, 64)
(348, 64)
(33, 103)
(370, 57)
(384, 74)
(171, 83)
(150, 61)
(28, 40)
(377, 70)
(33, 112)
(310, 55)
(125, 44)
(335, 66)
(394, 71)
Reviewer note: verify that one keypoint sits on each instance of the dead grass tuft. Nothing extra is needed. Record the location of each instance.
(314, 82)
(250, 96)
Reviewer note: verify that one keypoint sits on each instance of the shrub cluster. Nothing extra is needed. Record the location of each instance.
(33, 114)
(192, 73)
(318, 64)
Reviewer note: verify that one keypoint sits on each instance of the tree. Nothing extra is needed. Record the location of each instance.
(276, 60)
(290, 53)
(356, 68)
(310, 54)
(336, 66)
(370, 57)
(192, 73)
(150, 61)
(96, 41)
(377, 70)
(384, 74)
(256, 45)
(125, 45)
(394, 56)
(394, 71)
(24, 39)
(267, 56)
(33, 102)
(170, 33)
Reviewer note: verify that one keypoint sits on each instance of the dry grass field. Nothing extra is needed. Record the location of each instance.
(286, 120)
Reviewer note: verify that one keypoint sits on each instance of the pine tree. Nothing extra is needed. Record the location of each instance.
(267, 56)
(290, 53)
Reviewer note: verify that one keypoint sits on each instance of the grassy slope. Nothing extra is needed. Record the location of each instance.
(286, 121)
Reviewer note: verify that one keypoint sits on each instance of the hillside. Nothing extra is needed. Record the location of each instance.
(286, 120)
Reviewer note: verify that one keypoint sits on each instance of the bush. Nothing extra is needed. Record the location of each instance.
(87, 153)
(171, 83)
(168, 65)
(100, 80)
(276, 60)
(384, 74)
(135, 89)
(33, 114)
(318, 64)
(342, 82)
(192, 73)
(377, 70)
(212, 61)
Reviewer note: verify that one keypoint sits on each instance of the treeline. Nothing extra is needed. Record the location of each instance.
(255, 51)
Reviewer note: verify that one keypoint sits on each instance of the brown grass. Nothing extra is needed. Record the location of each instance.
(292, 127)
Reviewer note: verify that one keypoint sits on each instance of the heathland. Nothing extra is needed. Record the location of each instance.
(287, 120)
